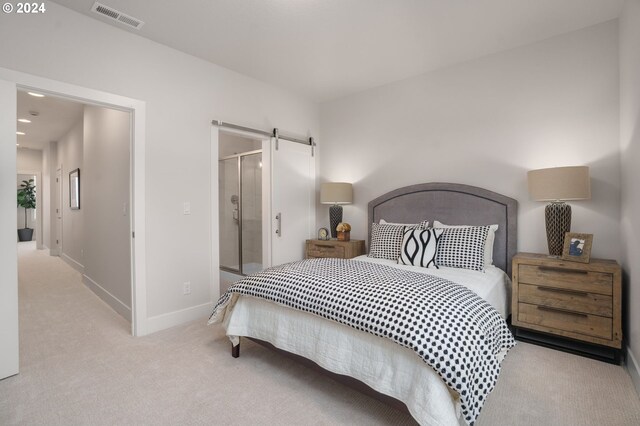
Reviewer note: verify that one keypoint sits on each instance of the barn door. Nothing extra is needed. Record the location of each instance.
(292, 199)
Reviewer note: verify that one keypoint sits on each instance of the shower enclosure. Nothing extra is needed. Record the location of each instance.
(240, 189)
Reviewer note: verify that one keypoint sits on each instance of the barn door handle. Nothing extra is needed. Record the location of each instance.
(279, 228)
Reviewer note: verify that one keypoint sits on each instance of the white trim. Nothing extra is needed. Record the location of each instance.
(9, 336)
(172, 319)
(115, 303)
(138, 111)
(634, 369)
(214, 251)
(73, 263)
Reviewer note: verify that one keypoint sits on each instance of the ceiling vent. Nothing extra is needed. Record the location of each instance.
(116, 15)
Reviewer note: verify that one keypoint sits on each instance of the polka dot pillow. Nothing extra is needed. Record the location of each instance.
(462, 247)
(386, 239)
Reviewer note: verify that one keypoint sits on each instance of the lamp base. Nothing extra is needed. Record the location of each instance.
(558, 221)
(335, 217)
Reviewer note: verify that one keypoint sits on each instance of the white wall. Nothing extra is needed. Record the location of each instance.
(47, 214)
(69, 155)
(49, 167)
(9, 355)
(486, 123)
(29, 160)
(182, 94)
(630, 154)
(104, 199)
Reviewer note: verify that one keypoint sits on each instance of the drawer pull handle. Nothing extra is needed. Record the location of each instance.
(566, 271)
(562, 311)
(327, 247)
(562, 290)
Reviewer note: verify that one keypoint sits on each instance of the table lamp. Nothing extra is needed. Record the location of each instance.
(336, 193)
(559, 184)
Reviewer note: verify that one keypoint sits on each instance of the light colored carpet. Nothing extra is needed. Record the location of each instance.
(80, 366)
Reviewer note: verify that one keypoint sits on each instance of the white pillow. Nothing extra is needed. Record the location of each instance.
(423, 225)
(488, 245)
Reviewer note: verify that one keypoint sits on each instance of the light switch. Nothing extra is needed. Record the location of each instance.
(187, 208)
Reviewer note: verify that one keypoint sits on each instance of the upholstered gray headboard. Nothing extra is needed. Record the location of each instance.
(453, 204)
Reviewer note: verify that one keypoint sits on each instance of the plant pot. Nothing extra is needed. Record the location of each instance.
(344, 235)
(25, 234)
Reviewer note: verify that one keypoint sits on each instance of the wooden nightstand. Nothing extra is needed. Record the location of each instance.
(334, 248)
(579, 301)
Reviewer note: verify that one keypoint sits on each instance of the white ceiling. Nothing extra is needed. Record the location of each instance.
(55, 116)
(326, 49)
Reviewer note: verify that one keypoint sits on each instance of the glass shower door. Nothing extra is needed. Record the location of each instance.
(251, 212)
(229, 202)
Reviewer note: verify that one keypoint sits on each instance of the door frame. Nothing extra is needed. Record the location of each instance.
(59, 210)
(137, 109)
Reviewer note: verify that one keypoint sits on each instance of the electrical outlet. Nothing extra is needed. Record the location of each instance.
(186, 288)
(186, 207)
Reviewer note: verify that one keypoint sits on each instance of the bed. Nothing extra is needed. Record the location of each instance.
(394, 371)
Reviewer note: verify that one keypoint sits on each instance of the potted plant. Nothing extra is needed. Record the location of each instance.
(344, 231)
(27, 200)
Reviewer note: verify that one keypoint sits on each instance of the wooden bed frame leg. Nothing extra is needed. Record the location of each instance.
(235, 350)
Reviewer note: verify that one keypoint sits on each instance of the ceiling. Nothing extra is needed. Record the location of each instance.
(327, 49)
(54, 118)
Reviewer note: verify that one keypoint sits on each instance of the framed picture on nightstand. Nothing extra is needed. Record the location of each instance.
(577, 247)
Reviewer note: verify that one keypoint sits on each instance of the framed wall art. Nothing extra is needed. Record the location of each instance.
(74, 189)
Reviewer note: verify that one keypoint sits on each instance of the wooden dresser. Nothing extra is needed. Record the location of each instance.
(334, 248)
(579, 301)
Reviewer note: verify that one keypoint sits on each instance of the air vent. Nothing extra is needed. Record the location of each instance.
(116, 15)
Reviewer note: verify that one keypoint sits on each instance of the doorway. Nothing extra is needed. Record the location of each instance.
(10, 81)
(266, 202)
(72, 142)
(240, 207)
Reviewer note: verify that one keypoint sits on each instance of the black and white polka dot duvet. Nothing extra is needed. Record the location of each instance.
(453, 330)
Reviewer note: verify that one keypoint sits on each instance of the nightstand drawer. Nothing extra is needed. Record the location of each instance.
(572, 300)
(543, 316)
(566, 278)
(317, 250)
(334, 248)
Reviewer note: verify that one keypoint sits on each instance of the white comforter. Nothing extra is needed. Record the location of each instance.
(380, 363)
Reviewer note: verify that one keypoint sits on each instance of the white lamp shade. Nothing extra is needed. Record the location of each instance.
(336, 193)
(560, 184)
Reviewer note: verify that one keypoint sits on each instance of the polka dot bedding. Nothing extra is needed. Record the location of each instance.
(450, 328)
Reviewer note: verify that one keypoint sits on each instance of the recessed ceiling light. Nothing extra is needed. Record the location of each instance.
(17, 144)
(24, 120)
(20, 133)
(37, 95)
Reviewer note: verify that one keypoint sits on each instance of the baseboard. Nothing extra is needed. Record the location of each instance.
(73, 263)
(115, 303)
(634, 369)
(172, 319)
